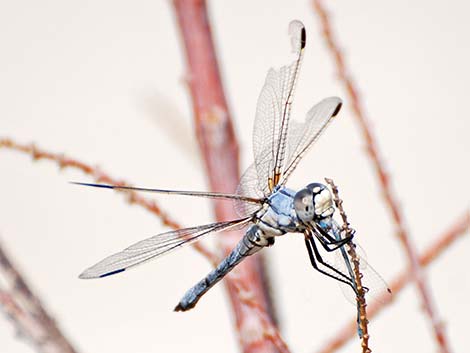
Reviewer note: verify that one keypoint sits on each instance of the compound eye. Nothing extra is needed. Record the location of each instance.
(323, 202)
(316, 187)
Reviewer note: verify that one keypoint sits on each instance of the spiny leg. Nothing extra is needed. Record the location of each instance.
(337, 244)
(310, 244)
(349, 279)
(340, 241)
(345, 257)
(331, 241)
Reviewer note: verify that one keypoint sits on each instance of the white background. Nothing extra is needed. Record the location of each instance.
(103, 81)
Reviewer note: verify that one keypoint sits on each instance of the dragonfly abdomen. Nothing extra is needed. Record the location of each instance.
(252, 242)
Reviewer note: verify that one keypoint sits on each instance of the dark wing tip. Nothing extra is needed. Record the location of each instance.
(338, 108)
(298, 35)
(88, 274)
(303, 38)
(93, 185)
(112, 273)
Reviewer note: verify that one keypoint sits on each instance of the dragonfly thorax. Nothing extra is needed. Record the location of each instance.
(278, 216)
(289, 211)
(313, 202)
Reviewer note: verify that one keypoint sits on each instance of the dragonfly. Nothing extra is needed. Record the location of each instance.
(266, 206)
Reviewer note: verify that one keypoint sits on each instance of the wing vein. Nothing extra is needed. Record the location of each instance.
(156, 246)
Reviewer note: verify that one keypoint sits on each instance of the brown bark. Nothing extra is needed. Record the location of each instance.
(219, 149)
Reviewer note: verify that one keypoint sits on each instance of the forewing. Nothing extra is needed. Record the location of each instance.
(303, 136)
(203, 194)
(273, 113)
(155, 246)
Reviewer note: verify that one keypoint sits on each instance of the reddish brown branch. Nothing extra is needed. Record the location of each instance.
(99, 176)
(383, 177)
(444, 241)
(351, 248)
(268, 332)
(28, 313)
(219, 149)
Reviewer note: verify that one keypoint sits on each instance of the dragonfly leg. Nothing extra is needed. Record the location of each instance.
(326, 264)
(314, 255)
(248, 245)
(328, 242)
(332, 247)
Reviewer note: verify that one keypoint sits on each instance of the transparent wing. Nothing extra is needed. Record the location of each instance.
(249, 186)
(246, 200)
(273, 114)
(155, 246)
(377, 289)
(303, 136)
(204, 194)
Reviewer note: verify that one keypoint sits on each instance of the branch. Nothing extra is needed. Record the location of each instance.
(101, 177)
(27, 312)
(360, 295)
(383, 177)
(219, 149)
(269, 332)
(443, 242)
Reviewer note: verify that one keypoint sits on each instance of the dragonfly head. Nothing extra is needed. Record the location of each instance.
(314, 202)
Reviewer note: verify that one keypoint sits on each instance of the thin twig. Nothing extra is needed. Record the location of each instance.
(268, 332)
(383, 178)
(459, 228)
(360, 291)
(101, 177)
(219, 149)
(27, 312)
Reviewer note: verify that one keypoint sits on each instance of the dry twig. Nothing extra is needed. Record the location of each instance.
(250, 300)
(269, 332)
(443, 242)
(101, 177)
(27, 312)
(383, 177)
(360, 294)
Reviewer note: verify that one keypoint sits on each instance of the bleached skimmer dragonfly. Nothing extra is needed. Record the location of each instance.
(266, 206)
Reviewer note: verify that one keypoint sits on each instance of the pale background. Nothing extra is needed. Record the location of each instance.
(103, 81)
